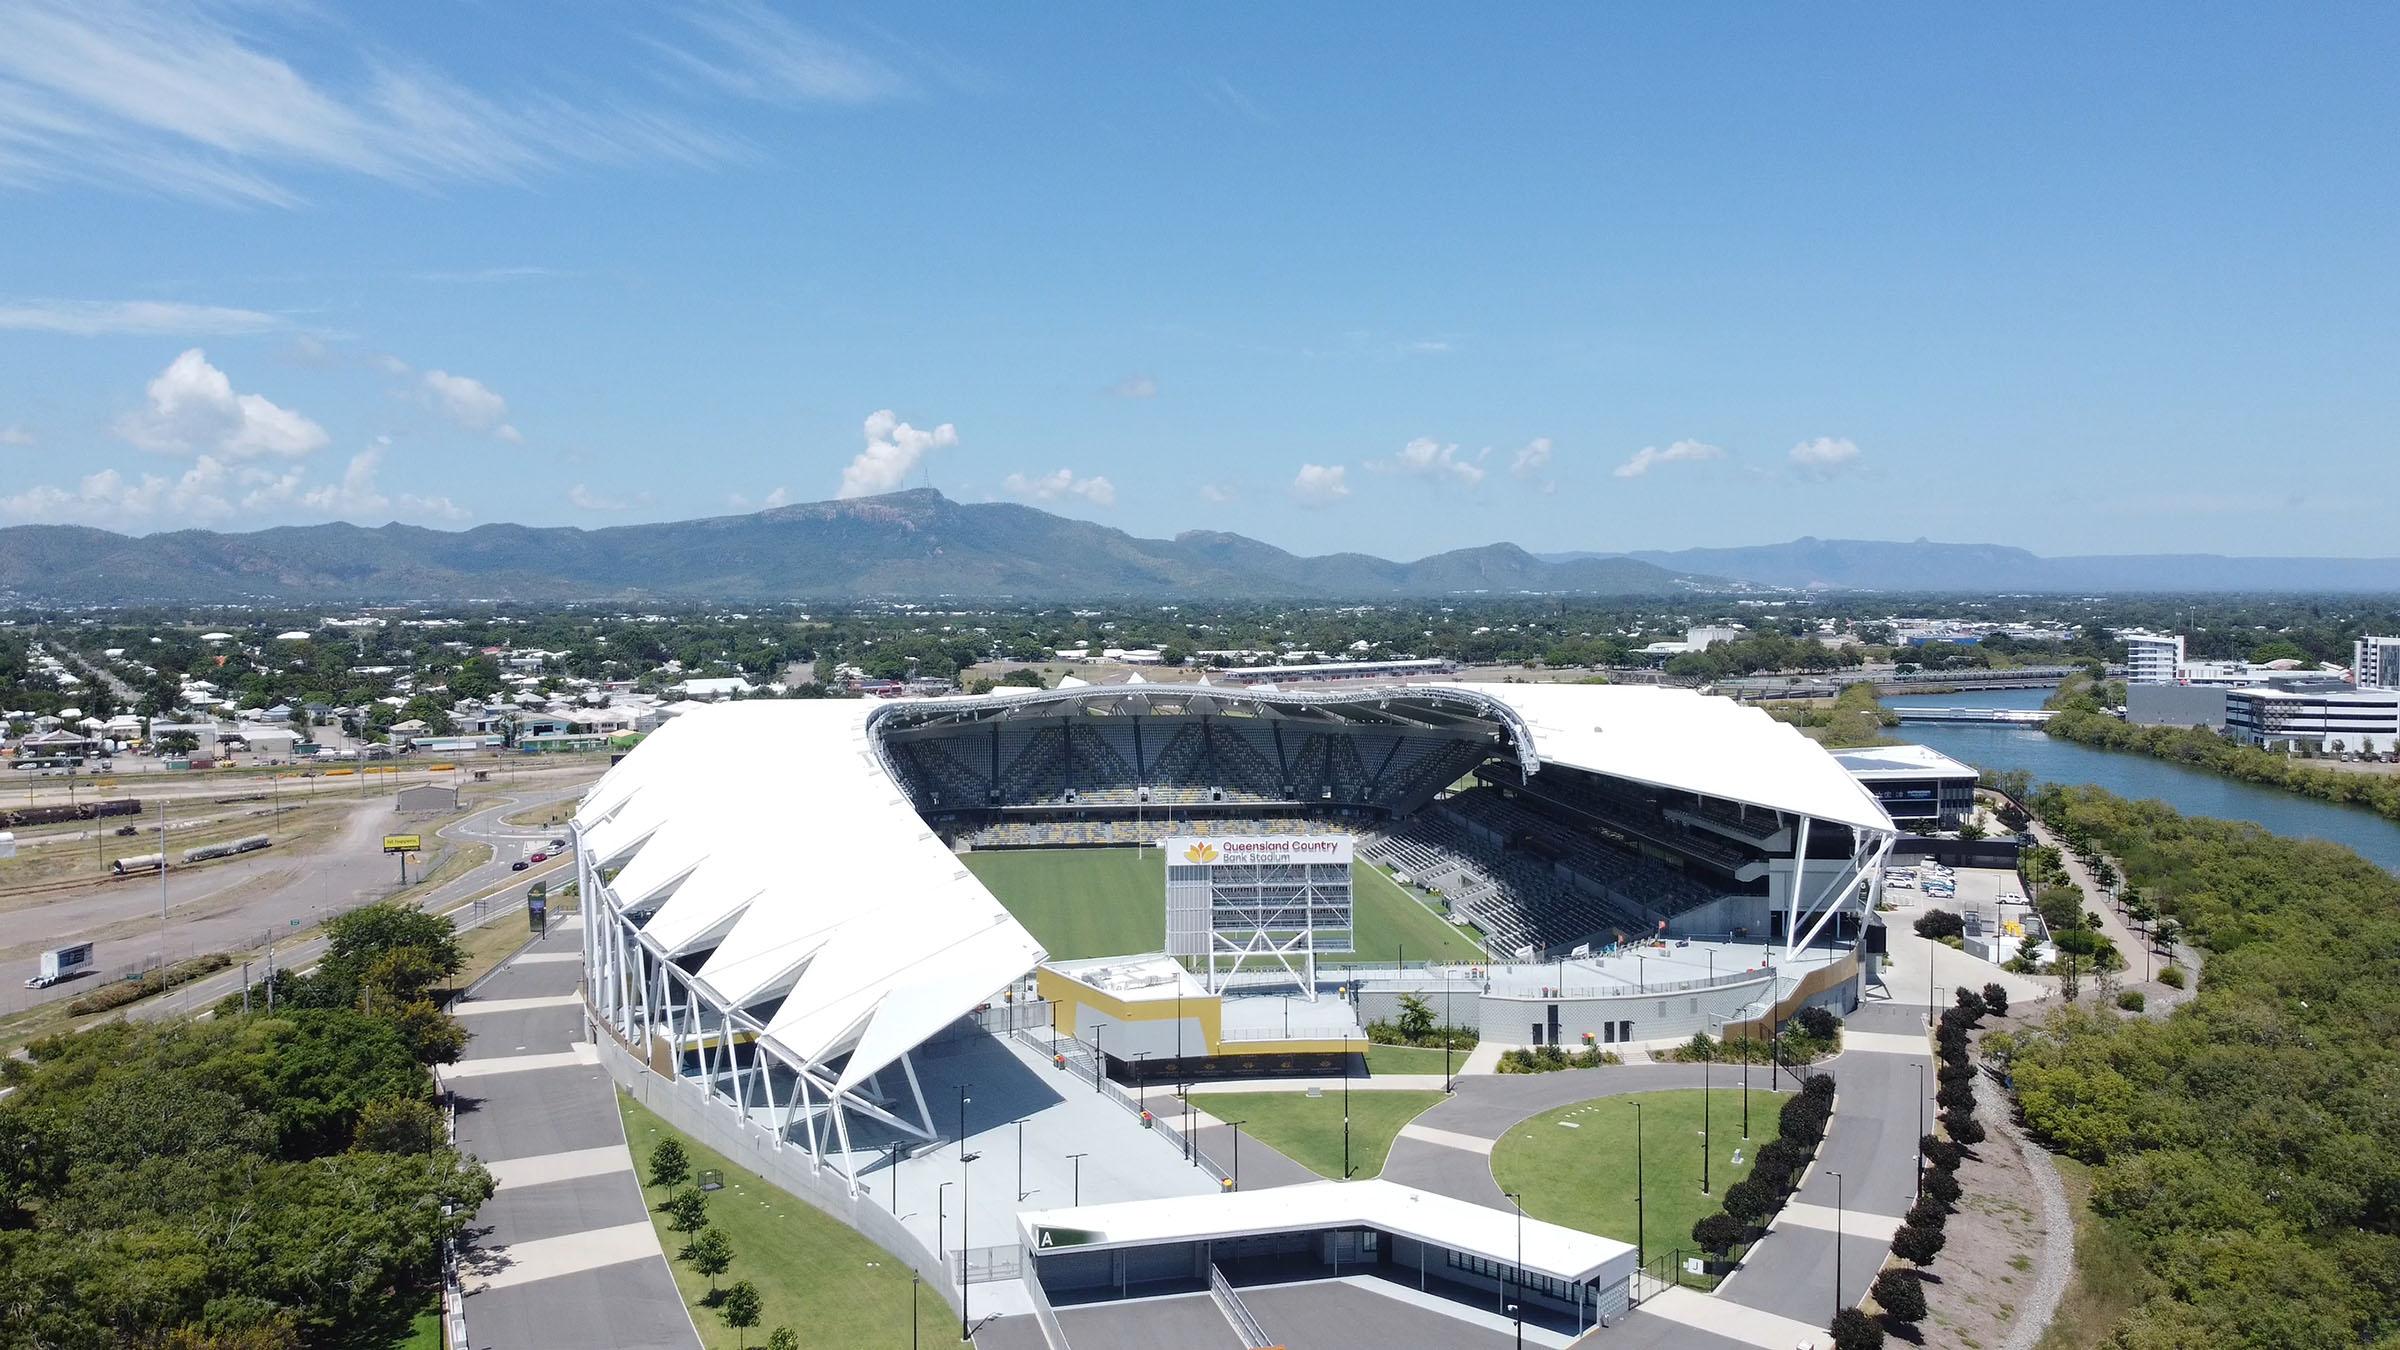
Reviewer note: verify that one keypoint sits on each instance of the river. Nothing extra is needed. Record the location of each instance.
(2190, 791)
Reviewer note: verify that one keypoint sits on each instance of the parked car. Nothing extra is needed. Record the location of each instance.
(539, 857)
(519, 865)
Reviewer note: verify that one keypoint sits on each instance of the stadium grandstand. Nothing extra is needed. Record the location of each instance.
(786, 950)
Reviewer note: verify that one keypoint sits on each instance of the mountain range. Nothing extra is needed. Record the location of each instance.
(914, 545)
(920, 544)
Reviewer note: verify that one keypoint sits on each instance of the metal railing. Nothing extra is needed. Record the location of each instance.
(454, 1294)
(983, 1265)
(1082, 1061)
(1245, 1324)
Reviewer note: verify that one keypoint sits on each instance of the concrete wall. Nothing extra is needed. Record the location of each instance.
(2174, 705)
(1509, 1020)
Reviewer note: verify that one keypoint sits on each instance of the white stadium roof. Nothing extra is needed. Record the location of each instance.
(771, 837)
(775, 835)
(1675, 738)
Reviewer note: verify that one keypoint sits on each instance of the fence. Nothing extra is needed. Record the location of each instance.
(454, 1294)
(983, 1265)
(1084, 1064)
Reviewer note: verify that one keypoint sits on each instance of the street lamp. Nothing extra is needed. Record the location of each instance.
(964, 1158)
(1641, 1207)
(1707, 1097)
(1237, 1151)
(1449, 1032)
(1345, 1106)
(1077, 1159)
(1099, 1060)
(1141, 1079)
(1837, 1243)
(1518, 1307)
(915, 1281)
(1920, 1131)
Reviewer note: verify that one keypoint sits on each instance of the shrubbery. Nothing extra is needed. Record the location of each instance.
(118, 993)
(2171, 977)
(1751, 1202)
(1940, 923)
(2131, 1000)
(1551, 1058)
(1901, 1293)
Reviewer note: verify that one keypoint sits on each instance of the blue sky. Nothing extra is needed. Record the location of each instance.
(1390, 278)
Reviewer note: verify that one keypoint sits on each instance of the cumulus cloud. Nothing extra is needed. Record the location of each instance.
(1321, 484)
(1425, 457)
(1531, 459)
(893, 451)
(1135, 386)
(1681, 452)
(1049, 487)
(197, 496)
(193, 407)
(357, 495)
(1217, 493)
(470, 403)
(138, 318)
(583, 498)
(15, 434)
(778, 496)
(1825, 456)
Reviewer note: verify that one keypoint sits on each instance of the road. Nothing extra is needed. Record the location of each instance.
(241, 903)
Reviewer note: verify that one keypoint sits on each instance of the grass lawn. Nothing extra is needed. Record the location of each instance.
(813, 1274)
(1584, 1177)
(1412, 1059)
(1111, 901)
(424, 1331)
(1309, 1130)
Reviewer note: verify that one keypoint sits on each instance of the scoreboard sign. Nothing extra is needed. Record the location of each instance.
(1279, 899)
(1259, 850)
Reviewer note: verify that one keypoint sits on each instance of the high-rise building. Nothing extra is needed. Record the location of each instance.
(2375, 662)
(2152, 658)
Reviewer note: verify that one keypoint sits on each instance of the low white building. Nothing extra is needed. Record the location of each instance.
(2332, 719)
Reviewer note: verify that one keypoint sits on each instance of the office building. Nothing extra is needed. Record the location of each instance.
(2324, 716)
(2375, 662)
(2152, 658)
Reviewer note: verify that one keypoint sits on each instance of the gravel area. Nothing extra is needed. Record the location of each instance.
(2010, 1249)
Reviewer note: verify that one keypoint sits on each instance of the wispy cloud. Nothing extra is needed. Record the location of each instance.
(185, 101)
(740, 501)
(583, 498)
(1531, 459)
(1050, 487)
(1223, 93)
(15, 434)
(139, 318)
(749, 50)
(469, 403)
(1681, 452)
(1135, 386)
(475, 275)
(213, 490)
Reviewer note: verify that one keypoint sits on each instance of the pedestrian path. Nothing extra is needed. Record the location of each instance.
(564, 1252)
(1733, 1321)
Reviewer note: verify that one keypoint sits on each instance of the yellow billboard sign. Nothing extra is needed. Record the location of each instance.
(403, 843)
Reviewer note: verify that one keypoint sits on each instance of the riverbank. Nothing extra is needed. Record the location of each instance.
(2351, 785)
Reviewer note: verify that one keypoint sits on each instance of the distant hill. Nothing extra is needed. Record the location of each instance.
(1868, 564)
(907, 544)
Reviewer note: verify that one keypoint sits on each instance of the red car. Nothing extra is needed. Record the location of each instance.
(539, 857)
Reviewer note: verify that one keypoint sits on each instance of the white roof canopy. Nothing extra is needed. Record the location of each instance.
(771, 829)
(1438, 1220)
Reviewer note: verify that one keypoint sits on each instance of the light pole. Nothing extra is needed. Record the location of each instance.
(941, 1220)
(1837, 1243)
(915, 1281)
(895, 1150)
(1345, 1106)
(1518, 1307)
(1707, 1097)
(1641, 1206)
(964, 1158)
(1449, 1033)
(1099, 1060)
(1237, 1151)
(1141, 1078)
(1920, 1131)
(1020, 1162)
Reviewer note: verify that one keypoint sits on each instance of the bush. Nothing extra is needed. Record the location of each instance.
(1995, 998)
(1943, 1187)
(1917, 1246)
(1964, 1128)
(118, 993)
(1956, 1096)
(1802, 1121)
(1818, 1024)
(1854, 1330)
(1940, 923)
(1970, 1001)
(1818, 1086)
(1779, 1162)
(1950, 1073)
(2171, 977)
(1928, 1214)
(1939, 1151)
(1901, 1293)
(2131, 1000)
(1719, 1233)
(1752, 1201)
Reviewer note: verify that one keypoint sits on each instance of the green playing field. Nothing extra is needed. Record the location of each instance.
(1112, 901)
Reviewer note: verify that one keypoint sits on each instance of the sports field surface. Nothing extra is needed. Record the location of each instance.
(1575, 1165)
(1112, 901)
(1308, 1130)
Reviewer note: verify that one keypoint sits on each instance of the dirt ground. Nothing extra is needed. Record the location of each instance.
(1990, 1263)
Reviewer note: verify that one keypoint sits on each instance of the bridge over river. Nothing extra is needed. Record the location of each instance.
(2026, 717)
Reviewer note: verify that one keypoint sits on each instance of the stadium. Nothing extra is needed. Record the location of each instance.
(866, 943)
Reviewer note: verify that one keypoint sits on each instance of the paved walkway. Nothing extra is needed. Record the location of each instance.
(564, 1253)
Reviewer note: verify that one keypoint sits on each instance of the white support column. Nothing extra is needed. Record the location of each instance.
(1791, 899)
(924, 1113)
(841, 1128)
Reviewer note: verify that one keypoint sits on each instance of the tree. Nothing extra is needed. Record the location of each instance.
(669, 1168)
(710, 1252)
(1416, 1018)
(1818, 1024)
(1964, 1128)
(400, 1125)
(1901, 1293)
(1995, 997)
(740, 1306)
(1718, 1233)
(1971, 1001)
(1854, 1330)
(687, 1211)
(783, 1338)
(1751, 1201)
(1940, 923)
(1917, 1246)
(1943, 1186)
